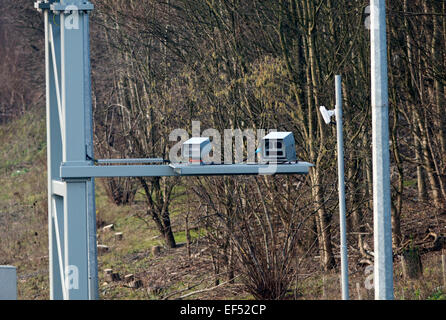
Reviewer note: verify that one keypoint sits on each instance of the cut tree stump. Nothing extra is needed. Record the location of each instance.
(156, 250)
(115, 277)
(154, 290)
(110, 276)
(103, 249)
(135, 284)
(129, 278)
(108, 271)
(411, 264)
(109, 227)
(118, 236)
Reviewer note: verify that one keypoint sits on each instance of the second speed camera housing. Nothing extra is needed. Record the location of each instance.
(277, 147)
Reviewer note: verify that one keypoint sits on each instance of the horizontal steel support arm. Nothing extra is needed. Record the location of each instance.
(77, 172)
(87, 171)
(58, 7)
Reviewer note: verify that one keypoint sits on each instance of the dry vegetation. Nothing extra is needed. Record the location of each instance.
(171, 273)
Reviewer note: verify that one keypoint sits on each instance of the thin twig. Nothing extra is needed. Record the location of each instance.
(207, 289)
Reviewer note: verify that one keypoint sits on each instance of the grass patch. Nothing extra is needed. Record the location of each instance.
(410, 183)
(180, 236)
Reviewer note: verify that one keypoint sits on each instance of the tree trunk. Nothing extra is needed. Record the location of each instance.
(411, 264)
(421, 176)
(324, 230)
(168, 233)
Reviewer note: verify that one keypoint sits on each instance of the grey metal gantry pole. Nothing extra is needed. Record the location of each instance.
(342, 213)
(74, 42)
(327, 114)
(383, 273)
(71, 214)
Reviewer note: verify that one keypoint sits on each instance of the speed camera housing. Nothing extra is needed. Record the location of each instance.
(195, 149)
(278, 147)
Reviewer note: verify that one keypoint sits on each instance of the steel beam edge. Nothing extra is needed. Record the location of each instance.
(90, 171)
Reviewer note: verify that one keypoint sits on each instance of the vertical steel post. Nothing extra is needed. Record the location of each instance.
(54, 150)
(71, 204)
(73, 70)
(341, 187)
(383, 274)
